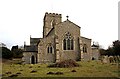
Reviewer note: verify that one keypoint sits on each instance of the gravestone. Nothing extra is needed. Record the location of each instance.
(105, 59)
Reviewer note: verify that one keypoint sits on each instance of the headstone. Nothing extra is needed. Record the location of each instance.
(105, 59)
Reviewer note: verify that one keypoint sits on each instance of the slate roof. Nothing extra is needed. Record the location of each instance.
(34, 41)
(30, 48)
(69, 22)
(85, 38)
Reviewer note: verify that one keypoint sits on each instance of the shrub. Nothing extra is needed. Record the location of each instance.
(50, 73)
(6, 53)
(59, 73)
(38, 66)
(33, 71)
(30, 67)
(18, 73)
(73, 71)
(65, 64)
(8, 72)
(13, 75)
(21, 70)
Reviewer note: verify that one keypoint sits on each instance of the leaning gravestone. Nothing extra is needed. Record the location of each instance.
(111, 59)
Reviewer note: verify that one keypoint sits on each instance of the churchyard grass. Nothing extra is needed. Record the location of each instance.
(87, 69)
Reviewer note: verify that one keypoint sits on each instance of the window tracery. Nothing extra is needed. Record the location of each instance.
(68, 42)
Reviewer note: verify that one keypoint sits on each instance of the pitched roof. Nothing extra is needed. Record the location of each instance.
(30, 48)
(34, 41)
(72, 23)
(69, 22)
(85, 38)
(50, 31)
(61, 23)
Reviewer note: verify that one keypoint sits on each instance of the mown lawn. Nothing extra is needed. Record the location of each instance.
(87, 69)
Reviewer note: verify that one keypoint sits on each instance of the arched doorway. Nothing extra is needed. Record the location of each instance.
(32, 60)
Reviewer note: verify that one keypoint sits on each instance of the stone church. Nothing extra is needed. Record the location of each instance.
(61, 40)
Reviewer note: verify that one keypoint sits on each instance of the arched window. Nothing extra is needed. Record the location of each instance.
(71, 44)
(50, 49)
(68, 42)
(52, 23)
(84, 48)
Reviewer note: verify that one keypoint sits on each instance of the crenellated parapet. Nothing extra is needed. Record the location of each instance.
(53, 14)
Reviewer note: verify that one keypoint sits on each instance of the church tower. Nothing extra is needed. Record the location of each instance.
(50, 19)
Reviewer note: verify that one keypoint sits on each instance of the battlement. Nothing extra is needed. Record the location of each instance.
(52, 14)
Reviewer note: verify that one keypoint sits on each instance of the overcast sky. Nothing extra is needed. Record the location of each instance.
(19, 19)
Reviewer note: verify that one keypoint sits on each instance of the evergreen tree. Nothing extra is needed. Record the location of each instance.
(6, 53)
(116, 47)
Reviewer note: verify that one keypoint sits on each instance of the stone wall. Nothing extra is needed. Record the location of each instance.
(60, 31)
(27, 57)
(54, 33)
(50, 19)
(86, 56)
(95, 53)
(43, 55)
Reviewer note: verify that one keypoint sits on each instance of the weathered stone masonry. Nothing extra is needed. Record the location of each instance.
(61, 41)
